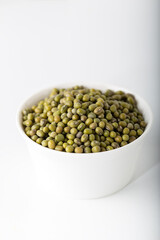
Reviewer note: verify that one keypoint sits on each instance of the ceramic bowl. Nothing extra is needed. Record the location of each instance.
(84, 175)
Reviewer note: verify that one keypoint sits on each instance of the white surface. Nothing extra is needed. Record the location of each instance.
(26, 213)
(42, 43)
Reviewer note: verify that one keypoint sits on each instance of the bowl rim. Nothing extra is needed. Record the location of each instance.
(90, 85)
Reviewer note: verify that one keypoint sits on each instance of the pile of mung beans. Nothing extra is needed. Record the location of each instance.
(84, 120)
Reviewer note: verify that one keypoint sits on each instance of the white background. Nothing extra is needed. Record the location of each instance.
(45, 42)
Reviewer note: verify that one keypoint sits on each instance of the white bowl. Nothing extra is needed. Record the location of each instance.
(85, 175)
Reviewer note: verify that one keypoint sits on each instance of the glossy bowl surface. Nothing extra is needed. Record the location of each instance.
(85, 175)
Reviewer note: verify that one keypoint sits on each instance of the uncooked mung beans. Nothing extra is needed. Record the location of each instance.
(84, 120)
